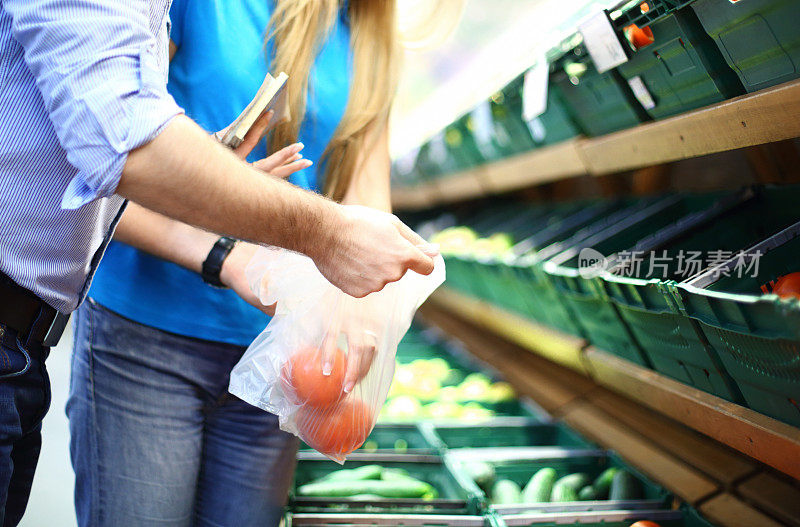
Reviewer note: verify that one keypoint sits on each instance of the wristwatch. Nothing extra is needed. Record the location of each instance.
(213, 264)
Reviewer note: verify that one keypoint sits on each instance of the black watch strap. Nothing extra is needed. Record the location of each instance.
(213, 264)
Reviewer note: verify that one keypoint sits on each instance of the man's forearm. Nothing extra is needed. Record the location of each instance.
(188, 176)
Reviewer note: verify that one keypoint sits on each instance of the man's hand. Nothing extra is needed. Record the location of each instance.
(370, 249)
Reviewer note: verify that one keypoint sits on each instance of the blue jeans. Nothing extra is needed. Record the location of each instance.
(157, 439)
(24, 399)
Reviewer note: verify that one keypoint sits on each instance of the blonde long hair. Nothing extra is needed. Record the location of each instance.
(297, 29)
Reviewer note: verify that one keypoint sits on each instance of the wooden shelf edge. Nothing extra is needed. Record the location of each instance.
(762, 117)
(675, 474)
(772, 442)
(552, 345)
(766, 116)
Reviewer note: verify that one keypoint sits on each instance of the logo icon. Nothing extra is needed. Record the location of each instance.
(591, 263)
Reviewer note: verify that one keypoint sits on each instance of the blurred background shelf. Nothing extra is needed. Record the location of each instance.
(767, 440)
(766, 116)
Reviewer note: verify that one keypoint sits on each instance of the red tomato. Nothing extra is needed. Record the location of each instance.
(639, 37)
(645, 523)
(304, 382)
(788, 286)
(337, 430)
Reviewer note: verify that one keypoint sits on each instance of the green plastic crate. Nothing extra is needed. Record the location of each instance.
(386, 520)
(456, 494)
(511, 134)
(611, 518)
(386, 438)
(508, 432)
(599, 103)
(545, 304)
(586, 299)
(555, 124)
(756, 336)
(425, 168)
(461, 143)
(668, 339)
(682, 69)
(525, 291)
(519, 468)
(758, 38)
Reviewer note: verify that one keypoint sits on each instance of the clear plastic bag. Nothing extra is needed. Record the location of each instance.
(314, 324)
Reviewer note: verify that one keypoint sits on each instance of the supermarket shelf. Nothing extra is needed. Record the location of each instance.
(416, 197)
(543, 165)
(770, 441)
(763, 117)
(557, 347)
(762, 438)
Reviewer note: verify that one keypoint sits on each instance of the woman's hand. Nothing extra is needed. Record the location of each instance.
(233, 276)
(282, 163)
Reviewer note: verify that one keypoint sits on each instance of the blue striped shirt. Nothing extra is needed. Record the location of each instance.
(82, 83)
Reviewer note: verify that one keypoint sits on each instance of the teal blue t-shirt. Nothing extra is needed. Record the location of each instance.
(220, 63)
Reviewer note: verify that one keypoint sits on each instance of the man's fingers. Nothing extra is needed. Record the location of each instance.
(430, 249)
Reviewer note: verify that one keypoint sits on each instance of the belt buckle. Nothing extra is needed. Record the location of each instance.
(55, 330)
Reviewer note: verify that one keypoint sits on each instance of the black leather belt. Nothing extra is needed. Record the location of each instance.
(28, 315)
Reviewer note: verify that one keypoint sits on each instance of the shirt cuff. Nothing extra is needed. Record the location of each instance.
(121, 115)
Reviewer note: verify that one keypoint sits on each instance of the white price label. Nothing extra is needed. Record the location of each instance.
(537, 130)
(482, 122)
(602, 42)
(640, 92)
(534, 90)
(438, 149)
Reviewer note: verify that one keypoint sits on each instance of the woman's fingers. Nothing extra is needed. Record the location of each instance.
(287, 170)
(284, 162)
(361, 347)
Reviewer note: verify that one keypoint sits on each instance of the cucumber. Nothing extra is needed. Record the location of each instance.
(602, 483)
(506, 491)
(387, 489)
(540, 486)
(366, 497)
(625, 486)
(587, 493)
(396, 474)
(566, 488)
(481, 473)
(355, 474)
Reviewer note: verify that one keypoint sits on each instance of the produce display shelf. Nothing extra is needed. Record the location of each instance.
(557, 347)
(774, 443)
(766, 116)
(727, 487)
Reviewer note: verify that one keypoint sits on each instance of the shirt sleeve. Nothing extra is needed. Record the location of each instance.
(177, 16)
(102, 74)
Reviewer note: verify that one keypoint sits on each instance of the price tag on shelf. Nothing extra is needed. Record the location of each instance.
(438, 148)
(537, 129)
(602, 42)
(641, 92)
(534, 90)
(483, 127)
